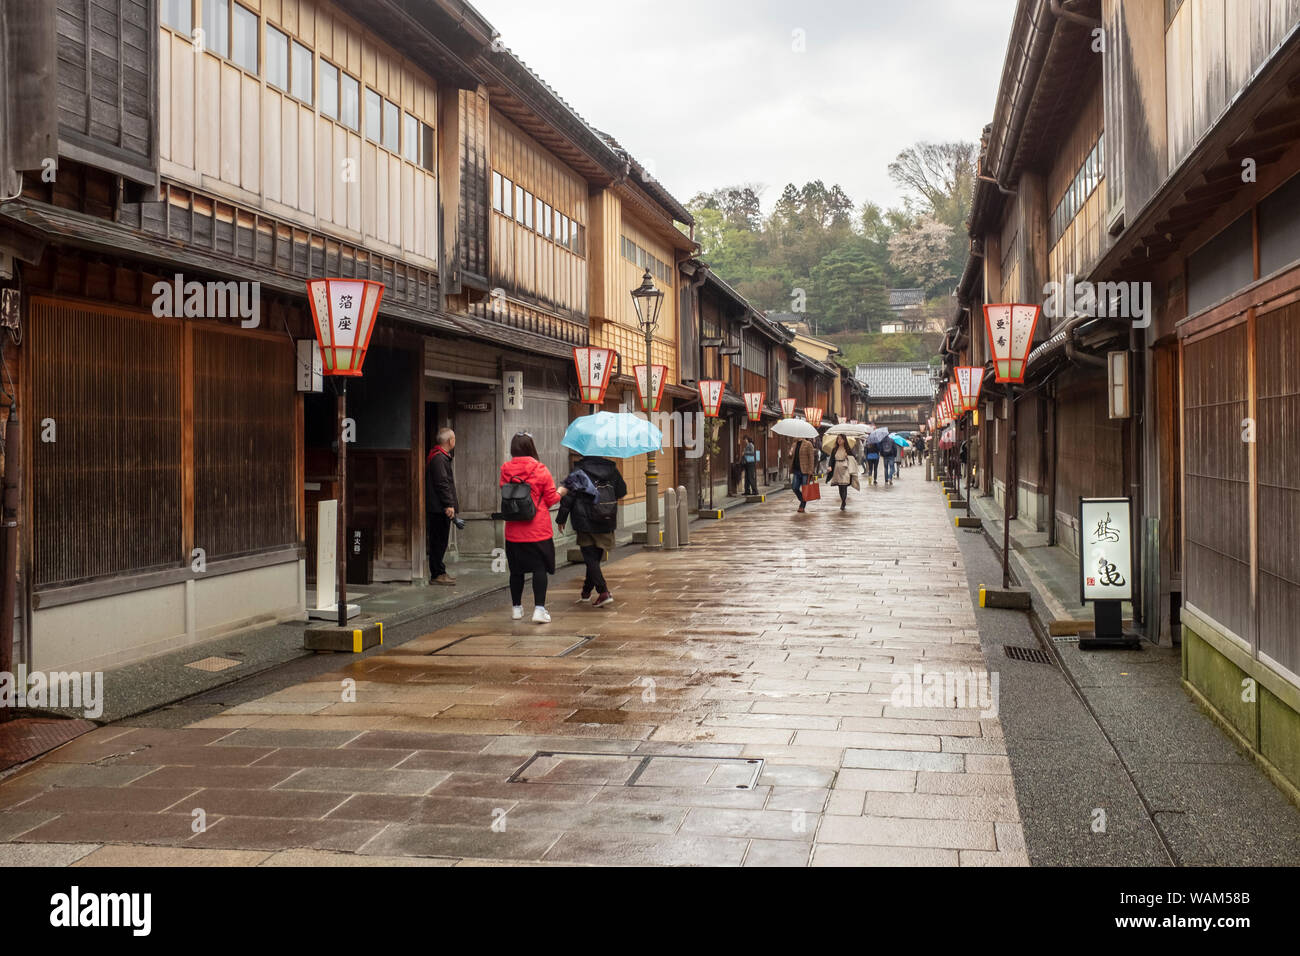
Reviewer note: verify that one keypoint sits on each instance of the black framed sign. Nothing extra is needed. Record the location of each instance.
(1105, 549)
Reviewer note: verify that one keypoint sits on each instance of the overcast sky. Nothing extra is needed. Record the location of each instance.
(711, 93)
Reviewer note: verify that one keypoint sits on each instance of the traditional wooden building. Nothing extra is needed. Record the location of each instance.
(175, 173)
(900, 395)
(739, 345)
(1161, 182)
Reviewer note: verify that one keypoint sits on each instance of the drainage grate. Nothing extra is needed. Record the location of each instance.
(507, 645)
(638, 770)
(1065, 639)
(1031, 654)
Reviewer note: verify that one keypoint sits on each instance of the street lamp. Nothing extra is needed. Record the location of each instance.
(648, 300)
(1010, 330)
(970, 378)
(344, 311)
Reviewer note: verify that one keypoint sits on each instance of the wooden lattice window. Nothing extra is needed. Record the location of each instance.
(244, 413)
(1216, 469)
(106, 386)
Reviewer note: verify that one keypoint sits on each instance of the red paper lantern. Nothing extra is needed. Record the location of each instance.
(658, 375)
(754, 405)
(954, 400)
(344, 311)
(970, 378)
(787, 407)
(1011, 334)
(593, 366)
(814, 416)
(711, 396)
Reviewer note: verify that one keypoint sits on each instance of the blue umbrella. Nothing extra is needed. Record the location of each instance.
(900, 441)
(612, 435)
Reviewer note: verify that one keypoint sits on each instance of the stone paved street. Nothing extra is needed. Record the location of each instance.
(732, 708)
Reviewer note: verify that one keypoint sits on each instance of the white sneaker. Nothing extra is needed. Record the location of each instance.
(541, 615)
(516, 613)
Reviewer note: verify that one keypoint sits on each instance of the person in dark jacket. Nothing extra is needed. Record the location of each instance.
(440, 503)
(595, 532)
(889, 454)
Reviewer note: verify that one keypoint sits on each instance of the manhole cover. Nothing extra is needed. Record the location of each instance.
(639, 770)
(508, 645)
(214, 664)
(1031, 654)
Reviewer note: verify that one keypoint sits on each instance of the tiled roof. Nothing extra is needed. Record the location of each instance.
(902, 298)
(896, 380)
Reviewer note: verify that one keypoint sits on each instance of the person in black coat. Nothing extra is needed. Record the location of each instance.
(593, 521)
(440, 504)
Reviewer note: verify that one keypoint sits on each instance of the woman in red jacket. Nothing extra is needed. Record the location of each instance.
(529, 544)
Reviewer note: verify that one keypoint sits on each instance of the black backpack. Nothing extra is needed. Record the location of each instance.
(517, 501)
(605, 508)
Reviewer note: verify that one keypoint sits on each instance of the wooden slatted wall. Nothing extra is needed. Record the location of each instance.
(244, 448)
(107, 492)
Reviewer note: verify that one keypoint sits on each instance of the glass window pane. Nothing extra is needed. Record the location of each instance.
(507, 196)
(410, 138)
(329, 90)
(216, 27)
(244, 32)
(529, 202)
(350, 106)
(374, 115)
(426, 146)
(277, 58)
(392, 117)
(520, 202)
(496, 190)
(177, 15)
(300, 74)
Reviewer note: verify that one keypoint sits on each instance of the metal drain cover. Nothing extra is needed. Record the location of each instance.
(1031, 654)
(638, 770)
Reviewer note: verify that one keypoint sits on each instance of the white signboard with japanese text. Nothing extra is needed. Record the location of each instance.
(1105, 549)
(513, 387)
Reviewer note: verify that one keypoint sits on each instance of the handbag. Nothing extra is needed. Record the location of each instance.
(811, 491)
(853, 480)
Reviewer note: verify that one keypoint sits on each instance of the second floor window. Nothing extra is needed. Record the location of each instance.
(277, 58)
(216, 27)
(329, 90)
(350, 102)
(300, 73)
(244, 35)
(178, 15)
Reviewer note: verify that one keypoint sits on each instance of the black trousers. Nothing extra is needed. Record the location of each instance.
(844, 494)
(751, 477)
(540, 580)
(594, 581)
(438, 529)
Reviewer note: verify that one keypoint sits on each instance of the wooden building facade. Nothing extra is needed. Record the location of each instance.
(246, 147)
(1168, 170)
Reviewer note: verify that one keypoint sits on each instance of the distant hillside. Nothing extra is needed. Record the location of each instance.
(859, 347)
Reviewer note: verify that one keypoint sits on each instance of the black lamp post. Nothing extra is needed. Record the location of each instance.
(648, 300)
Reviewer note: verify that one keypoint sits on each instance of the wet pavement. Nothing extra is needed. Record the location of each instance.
(735, 706)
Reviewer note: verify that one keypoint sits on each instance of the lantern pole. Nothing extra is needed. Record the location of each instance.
(651, 469)
(341, 561)
(1006, 511)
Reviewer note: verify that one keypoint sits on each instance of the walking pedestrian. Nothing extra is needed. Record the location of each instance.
(889, 452)
(803, 466)
(843, 468)
(440, 504)
(749, 455)
(595, 515)
(873, 460)
(530, 545)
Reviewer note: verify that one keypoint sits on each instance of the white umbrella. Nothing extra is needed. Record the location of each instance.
(794, 428)
(848, 428)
